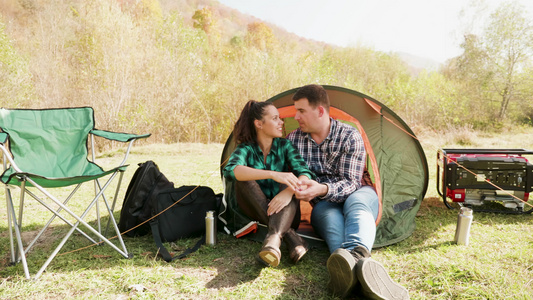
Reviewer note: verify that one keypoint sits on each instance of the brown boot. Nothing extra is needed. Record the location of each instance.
(278, 225)
(270, 254)
(296, 244)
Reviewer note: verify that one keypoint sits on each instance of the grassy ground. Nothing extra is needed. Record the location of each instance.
(496, 265)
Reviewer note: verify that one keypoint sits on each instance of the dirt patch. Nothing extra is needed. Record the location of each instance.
(44, 243)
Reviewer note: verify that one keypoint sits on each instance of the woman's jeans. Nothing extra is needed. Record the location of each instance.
(349, 224)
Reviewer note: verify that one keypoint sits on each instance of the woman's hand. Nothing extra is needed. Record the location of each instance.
(286, 178)
(281, 200)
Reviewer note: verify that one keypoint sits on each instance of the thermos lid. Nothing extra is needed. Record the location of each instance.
(466, 211)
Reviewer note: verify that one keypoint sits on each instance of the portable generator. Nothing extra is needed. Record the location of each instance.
(477, 177)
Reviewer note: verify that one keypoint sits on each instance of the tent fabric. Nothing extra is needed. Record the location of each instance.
(396, 160)
(50, 145)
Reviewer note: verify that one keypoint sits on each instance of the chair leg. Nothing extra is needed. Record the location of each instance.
(10, 225)
(96, 190)
(112, 217)
(80, 221)
(114, 201)
(15, 224)
(21, 209)
(55, 214)
(20, 248)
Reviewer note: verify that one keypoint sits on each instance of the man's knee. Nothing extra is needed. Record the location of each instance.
(364, 199)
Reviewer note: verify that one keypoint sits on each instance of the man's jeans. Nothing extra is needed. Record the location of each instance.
(348, 224)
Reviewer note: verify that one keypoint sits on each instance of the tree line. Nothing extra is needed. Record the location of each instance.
(146, 69)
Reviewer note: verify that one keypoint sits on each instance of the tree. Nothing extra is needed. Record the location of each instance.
(204, 20)
(509, 45)
(494, 63)
(259, 35)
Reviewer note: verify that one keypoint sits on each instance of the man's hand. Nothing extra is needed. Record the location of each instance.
(281, 200)
(310, 189)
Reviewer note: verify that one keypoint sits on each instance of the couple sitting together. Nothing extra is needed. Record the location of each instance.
(322, 162)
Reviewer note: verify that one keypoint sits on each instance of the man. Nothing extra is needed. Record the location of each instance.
(345, 205)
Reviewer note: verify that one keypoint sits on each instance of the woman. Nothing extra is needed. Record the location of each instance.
(264, 186)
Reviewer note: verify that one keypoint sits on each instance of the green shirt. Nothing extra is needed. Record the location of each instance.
(283, 157)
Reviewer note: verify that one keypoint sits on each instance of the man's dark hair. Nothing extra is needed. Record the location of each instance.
(315, 94)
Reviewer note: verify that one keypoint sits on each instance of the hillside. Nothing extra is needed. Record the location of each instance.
(149, 66)
(232, 23)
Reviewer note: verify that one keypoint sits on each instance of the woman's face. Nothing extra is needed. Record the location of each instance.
(271, 125)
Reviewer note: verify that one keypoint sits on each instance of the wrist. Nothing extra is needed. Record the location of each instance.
(325, 189)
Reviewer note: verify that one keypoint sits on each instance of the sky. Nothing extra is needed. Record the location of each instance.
(430, 29)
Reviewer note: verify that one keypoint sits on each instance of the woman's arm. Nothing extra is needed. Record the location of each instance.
(284, 197)
(245, 173)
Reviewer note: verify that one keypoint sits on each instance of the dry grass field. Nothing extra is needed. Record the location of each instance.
(496, 265)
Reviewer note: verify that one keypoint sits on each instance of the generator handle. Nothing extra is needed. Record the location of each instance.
(487, 151)
(444, 161)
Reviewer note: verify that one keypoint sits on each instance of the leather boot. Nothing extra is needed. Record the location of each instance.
(278, 225)
(252, 201)
(296, 244)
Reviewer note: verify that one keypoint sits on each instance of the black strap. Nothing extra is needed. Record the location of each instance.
(197, 246)
(154, 224)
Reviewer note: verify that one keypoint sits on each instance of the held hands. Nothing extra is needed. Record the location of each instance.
(310, 189)
(284, 197)
(303, 189)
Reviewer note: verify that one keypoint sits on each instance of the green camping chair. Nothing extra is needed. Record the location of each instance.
(49, 149)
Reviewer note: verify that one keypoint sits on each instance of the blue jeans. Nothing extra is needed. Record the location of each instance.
(349, 224)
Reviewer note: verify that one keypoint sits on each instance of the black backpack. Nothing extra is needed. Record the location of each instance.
(146, 182)
(169, 213)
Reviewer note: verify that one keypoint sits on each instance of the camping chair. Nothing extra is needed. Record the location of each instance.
(47, 149)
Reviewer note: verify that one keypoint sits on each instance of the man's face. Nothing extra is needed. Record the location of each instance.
(307, 116)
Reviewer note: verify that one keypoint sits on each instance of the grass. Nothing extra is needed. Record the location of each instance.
(496, 265)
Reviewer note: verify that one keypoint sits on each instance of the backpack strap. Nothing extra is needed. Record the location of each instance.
(154, 224)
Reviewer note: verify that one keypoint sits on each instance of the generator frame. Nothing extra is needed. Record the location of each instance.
(444, 183)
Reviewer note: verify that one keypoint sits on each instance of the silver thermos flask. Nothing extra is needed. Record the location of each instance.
(464, 222)
(210, 228)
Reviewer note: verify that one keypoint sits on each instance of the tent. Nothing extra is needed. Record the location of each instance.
(396, 162)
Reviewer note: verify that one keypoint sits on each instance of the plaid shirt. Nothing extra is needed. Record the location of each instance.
(283, 157)
(339, 161)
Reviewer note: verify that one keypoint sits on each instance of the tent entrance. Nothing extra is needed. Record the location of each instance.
(396, 161)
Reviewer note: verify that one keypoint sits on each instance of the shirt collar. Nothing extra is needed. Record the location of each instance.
(258, 150)
(332, 128)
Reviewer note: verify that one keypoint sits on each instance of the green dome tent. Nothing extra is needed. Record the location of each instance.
(396, 162)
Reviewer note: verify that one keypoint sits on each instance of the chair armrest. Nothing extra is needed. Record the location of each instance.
(3, 137)
(118, 136)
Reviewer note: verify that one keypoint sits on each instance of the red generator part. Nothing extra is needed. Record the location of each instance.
(474, 177)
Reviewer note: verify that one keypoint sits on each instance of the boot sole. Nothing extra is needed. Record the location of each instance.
(269, 258)
(376, 282)
(342, 277)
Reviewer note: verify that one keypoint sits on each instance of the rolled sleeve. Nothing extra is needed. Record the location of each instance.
(237, 158)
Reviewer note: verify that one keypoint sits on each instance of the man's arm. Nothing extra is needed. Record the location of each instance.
(349, 171)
